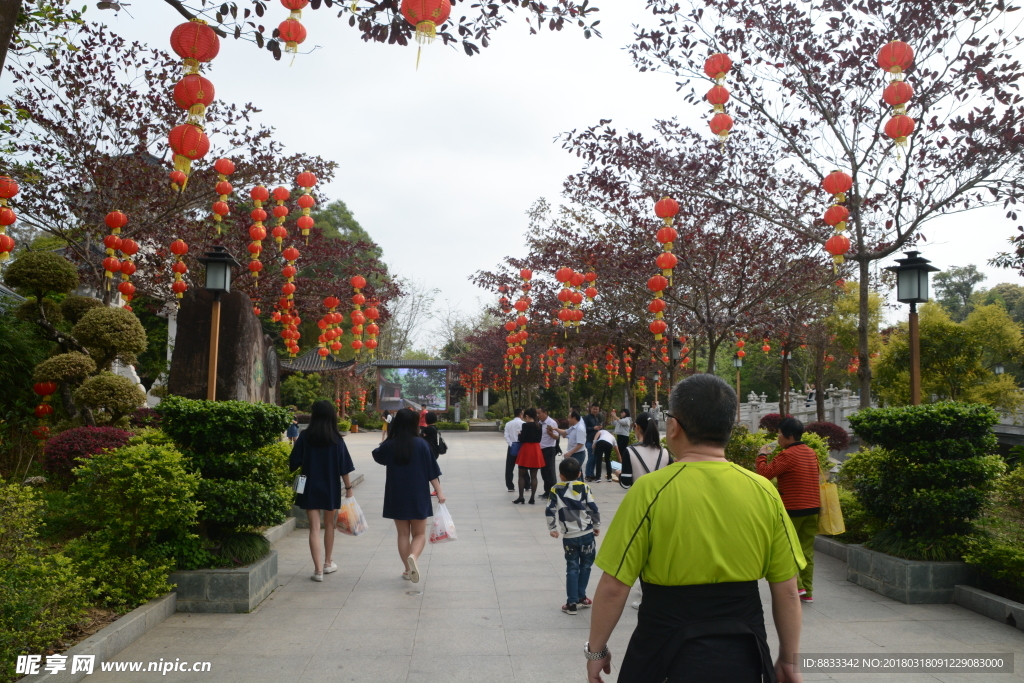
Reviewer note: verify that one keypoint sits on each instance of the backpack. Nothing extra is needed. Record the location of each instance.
(442, 447)
(657, 464)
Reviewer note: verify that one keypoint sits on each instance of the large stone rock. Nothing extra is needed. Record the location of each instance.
(247, 365)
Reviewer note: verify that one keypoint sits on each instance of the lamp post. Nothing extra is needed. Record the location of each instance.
(999, 369)
(912, 288)
(657, 386)
(218, 264)
(787, 356)
(737, 363)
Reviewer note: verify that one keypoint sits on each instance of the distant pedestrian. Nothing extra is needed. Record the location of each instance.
(623, 427)
(604, 446)
(512, 439)
(645, 456)
(293, 431)
(592, 422)
(573, 512)
(384, 427)
(423, 417)
(797, 469)
(410, 468)
(431, 435)
(530, 458)
(323, 458)
(548, 443)
(576, 436)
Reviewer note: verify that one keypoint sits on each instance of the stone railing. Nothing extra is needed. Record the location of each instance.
(839, 405)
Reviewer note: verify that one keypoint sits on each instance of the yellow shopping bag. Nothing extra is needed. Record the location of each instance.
(830, 518)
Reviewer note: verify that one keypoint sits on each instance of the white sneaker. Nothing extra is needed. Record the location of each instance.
(414, 570)
(317, 577)
(636, 605)
(405, 575)
(331, 568)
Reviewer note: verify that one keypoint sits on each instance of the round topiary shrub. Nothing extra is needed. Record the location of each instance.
(111, 397)
(837, 437)
(770, 422)
(65, 367)
(29, 311)
(70, 448)
(222, 426)
(111, 334)
(74, 307)
(40, 272)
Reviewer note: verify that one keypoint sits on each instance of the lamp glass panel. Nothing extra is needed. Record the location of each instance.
(922, 287)
(907, 284)
(218, 276)
(738, 362)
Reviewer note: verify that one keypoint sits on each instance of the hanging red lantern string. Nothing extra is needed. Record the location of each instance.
(426, 16)
(837, 184)
(224, 168)
(358, 282)
(291, 31)
(895, 58)
(8, 190)
(684, 352)
(591, 291)
(837, 246)
(287, 301)
(115, 220)
(372, 330)
(44, 390)
(306, 180)
(717, 67)
(179, 286)
(129, 248)
(195, 43)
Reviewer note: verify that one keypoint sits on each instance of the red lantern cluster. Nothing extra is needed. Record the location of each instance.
(291, 321)
(516, 340)
(196, 43)
(115, 220)
(306, 180)
(895, 58)
(257, 231)
(291, 31)
(8, 190)
(358, 283)
(372, 314)
(571, 313)
(179, 286)
(837, 183)
(330, 327)
(224, 168)
(44, 390)
(717, 67)
(666, 209)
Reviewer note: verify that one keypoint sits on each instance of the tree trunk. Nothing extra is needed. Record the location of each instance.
(864, 371)
(712, 352)
(784, 390)
(9, 11)
(819, 383)
(65, 399)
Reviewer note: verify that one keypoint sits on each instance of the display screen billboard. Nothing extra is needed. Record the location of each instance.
(399, 388)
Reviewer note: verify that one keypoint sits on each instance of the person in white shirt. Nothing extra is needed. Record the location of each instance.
(577, 436)
(548, 439)
(623, 426)
(646, 456)
(604, 445)
(512, 429)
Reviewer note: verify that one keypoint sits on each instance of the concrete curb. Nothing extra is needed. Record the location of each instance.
(234, 590)
(830, 546)
(276, 533)
(109, 641)
(911, 582)
(990, 605)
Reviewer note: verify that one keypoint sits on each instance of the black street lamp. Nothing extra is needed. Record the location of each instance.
(912, 288)
(218, 264)
(737, 363)
(999, 369)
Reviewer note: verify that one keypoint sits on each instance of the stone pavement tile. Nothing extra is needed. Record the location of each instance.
(520, 599)
(378, 618)
(365, 642)
(277, 642)
(232, 668)
(283, 617)
(534, 641)
(330, 599)
(437, 668)
(440, 618)
(942, 612)
(979, 635)
(475, 556)
(454, 641)
(906, 636)
(566, 667)
(365, 599)
(448, 583)
(199, 620)
(350, 668)
(470, 571)
(550, 618)
(459, 599)
(169, 642)
(302, 583)
(844, 610)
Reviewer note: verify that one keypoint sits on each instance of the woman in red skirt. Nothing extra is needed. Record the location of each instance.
(530, 456)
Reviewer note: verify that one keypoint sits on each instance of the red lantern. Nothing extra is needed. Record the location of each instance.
(111, 265)
(591, 292)
(290, 254)
(6, 244)
(8, 187)
(837, 245)
(224, 166)
(837, 183)
(305, 224)
(426, 16)
(358, 282)
(7, 216)
(259, 194)
(255, 249)
(257, 232)
(563, 274)
(526, 273)
(897, 93)
(258, 215)
(356, 344)
(43, 410)
(292, 32)
(179, 268)
(718, 96)
(306, 201)
(195, 42)
(112, 243)
(576, 298)
(717, 66)
(42, 432)
(657, 283)
(179, 248)
(358, 300)
(666, 261)
(281, 194)
(657, 327)
(194, 94)
(666, 209)
(667, 235)
(44, 388)
(721, 124)
(331, 302)
(305, 179)
(126, 288)
(279, 233)
(223, 187)
(178, 179)
(899, 128)
(656, 306)
(837, 214)
(895, 57)
(576, 279)
(255, 267)
(189, 142)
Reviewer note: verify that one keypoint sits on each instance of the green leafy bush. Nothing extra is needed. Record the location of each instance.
(111, 397)
(72, 447)
(65, 367)
(931, 478)
(244, 490)
(41, 596)
(74, 307)
(302, 390)
(453, 426)
(344, 425)
(743, 447)
(29, 311)
(998, 551)
(111, 334)
(368, 419)
(37, 273)
(120, 581)
(222, 426)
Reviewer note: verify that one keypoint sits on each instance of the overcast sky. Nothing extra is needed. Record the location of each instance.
(441, 164)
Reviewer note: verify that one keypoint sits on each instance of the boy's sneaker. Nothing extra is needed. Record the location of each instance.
(801, 592)
(585, 602)
(806, 599)
(330, 568)
(569, 609)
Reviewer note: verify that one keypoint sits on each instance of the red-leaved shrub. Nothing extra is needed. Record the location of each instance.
(837, 437)
(145, 417)
(770, 422)
(64, 451)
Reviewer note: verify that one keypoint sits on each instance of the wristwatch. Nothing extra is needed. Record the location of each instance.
(595, 656)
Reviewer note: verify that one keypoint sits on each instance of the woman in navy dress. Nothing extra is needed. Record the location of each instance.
(323, 457)
(411, 466)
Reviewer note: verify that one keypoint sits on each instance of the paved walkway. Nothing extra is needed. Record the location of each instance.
(487, 609)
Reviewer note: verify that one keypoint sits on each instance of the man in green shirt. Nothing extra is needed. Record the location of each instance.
(699, 534)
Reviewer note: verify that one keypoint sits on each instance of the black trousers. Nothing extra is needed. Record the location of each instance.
(510, 468)
(603, 451)
(548, 471)
(623, 443)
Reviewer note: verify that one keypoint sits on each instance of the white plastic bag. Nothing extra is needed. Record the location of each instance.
(351, 519)
(444, 528)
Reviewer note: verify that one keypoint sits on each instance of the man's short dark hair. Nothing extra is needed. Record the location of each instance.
(431, 418)
(575, 415)
(791, 428)
(517, 412)
(541, 409)
(595, 405)
(569, 468)
(705, 407)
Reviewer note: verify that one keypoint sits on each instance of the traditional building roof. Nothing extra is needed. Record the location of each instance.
(9, 298)
(311, 361)
(412, 363)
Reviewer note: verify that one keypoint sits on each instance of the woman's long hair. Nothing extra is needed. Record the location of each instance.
(402, 433)
(323, 425)
(648, 424)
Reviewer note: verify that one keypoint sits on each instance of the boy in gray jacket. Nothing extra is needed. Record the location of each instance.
(572, 511)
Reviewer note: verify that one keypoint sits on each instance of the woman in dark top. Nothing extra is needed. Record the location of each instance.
(323, 457)
(530, 455)
(431, 435)
(410, 467)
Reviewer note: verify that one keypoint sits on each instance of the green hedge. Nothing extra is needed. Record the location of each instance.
(453, 426)
(743, 447)
(998, 550)
(931, 478)
(222, 426)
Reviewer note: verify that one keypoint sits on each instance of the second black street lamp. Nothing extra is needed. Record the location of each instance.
(218, 264)
(912, 288)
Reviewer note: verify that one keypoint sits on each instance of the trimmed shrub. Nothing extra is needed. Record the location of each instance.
(770, 422)
(145, 418)
(222, 426)
(29, 311)
(244, 490)
(931, 478)
(743, 447)
(343, 425)
(837, 437)
(65, 367)
(111, 334)
(111, 398)
(73, 447)
(998, 552)
(41, 597)
(453, 426)
(74, 307)
(39, 272)
(368, 419)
